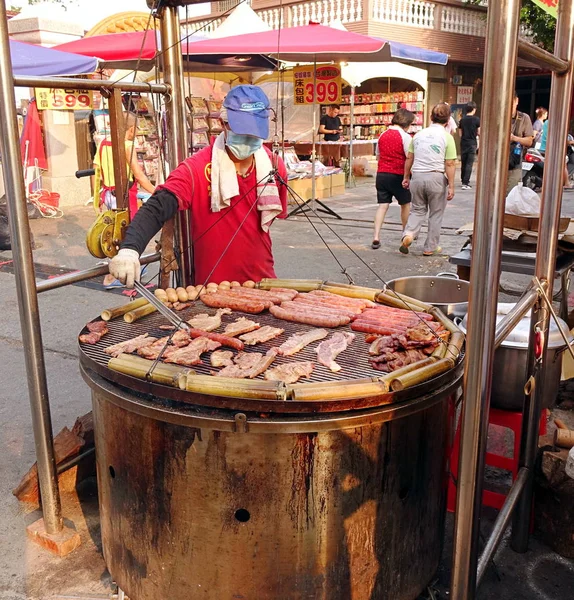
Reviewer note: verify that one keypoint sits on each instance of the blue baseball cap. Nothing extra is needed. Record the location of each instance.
(248, 111)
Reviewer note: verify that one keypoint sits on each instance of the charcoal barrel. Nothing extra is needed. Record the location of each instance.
(222, 504)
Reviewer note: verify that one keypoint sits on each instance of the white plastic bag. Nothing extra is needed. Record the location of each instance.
(523, 202)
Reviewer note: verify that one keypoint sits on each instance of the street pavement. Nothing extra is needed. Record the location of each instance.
(27, 572)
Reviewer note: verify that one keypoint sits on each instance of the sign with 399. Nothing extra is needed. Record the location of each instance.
(324, 88)
(52, 99)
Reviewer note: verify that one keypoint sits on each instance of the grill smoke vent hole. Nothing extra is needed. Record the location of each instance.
(242, 515)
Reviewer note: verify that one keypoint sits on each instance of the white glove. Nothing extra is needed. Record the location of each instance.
(125, 266)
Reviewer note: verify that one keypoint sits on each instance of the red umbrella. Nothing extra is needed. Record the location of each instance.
(138, 50)
(297, 44)
(31, 142)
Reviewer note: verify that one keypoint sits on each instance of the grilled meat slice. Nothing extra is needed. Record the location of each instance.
(191, 354)
(221, 358)
(290, 372)
(240, 326)
(299, 340)
(328, 350)
(395, 360)
(207, 322)
(96, 329)
(261, 335)
(130, 345)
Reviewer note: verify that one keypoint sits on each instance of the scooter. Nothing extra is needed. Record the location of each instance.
(533, 169)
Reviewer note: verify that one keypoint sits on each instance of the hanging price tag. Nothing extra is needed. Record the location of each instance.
(325, 88)
(52, 99)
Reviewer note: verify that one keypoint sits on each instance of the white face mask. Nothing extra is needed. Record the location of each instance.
(242, 146)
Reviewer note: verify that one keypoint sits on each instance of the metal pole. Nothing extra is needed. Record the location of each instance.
(541, 57)
(26, 289)
(501, 523)
(177, 127)
(499, 74)
(510, 320)
(351, 136)
(559, 110)
(313, 154)
(89, 84)
(70, 278)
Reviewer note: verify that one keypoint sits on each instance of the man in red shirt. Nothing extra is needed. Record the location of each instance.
(234, 189)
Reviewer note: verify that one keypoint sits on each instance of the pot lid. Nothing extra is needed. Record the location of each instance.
(518, 337)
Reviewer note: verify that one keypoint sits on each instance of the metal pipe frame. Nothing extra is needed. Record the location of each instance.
(542, 58)
(89, 84)
(499, 74)
(85, 274)
(511, 319)
(177, 127)
(26, 290)
(501, 523)
(559, 109)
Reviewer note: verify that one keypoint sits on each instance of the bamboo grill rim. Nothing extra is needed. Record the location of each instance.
(413, 374)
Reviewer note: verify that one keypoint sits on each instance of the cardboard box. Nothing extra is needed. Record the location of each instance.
(337, 181)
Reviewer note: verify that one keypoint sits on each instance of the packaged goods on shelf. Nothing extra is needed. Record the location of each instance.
(214, 108)
(200, 139)
(200, 124)
(215, 125)
(197, 106)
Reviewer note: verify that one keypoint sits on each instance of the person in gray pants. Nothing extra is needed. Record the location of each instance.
(431, 163)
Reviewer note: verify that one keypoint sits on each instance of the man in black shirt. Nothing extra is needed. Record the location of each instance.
(330, 124)
(469, 127)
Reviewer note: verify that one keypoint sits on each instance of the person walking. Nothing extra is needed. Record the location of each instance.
(392, 149)
(469, 127)
(541, 116)
(521, 138)
(431, 159)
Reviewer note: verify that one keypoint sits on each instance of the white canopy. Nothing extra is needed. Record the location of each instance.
(242, 20)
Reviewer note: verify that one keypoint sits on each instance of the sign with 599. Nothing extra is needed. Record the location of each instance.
(327, 88)
(52, 99)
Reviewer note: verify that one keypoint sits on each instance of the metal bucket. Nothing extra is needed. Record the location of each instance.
(445, 291)
(216, 504)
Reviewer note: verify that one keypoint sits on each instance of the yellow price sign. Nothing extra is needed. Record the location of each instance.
(324, 88)
(52, 99)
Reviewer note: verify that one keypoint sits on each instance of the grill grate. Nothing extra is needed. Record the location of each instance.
(354, 360)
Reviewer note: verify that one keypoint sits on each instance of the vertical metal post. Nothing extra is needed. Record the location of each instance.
(351, 136)
(559, 111)
(26, 289)
(499, 74)
(118, 135)
(177, 128)
(313, 152)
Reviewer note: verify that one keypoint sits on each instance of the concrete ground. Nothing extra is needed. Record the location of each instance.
(26, 571)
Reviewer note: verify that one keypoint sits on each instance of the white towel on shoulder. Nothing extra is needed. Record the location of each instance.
(225, 186)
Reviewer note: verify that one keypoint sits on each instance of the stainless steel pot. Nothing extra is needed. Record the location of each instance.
(510, 362)
(445, 291)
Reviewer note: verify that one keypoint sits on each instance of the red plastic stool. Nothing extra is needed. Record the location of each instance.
(503, 418)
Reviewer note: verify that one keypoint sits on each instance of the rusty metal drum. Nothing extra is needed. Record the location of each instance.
(222, 504)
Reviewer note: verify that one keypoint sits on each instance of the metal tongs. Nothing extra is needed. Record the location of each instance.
(161, 307)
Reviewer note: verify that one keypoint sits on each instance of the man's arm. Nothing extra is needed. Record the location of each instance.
(527, 138)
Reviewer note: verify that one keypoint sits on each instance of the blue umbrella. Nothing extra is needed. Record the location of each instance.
(32, 60)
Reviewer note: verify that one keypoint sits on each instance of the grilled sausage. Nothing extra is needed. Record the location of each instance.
(309, 317)
(375, 328)
(224, 340)
(220, 300)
